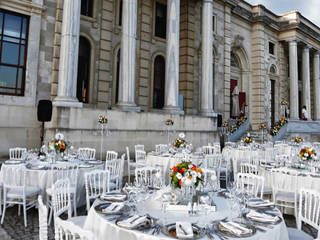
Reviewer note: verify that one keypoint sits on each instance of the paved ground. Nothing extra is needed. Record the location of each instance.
(13, 226)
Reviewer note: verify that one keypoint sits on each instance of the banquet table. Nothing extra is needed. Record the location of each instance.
(102, 227)
(41, 177)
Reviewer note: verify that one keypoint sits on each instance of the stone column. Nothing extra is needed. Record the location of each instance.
(171, 102)
(294, 92)
(306, 79)
(207, 58)
(128, 56)
(68, 65)
(316, 87)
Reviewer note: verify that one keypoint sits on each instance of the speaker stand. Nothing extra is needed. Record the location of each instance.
(42, 134)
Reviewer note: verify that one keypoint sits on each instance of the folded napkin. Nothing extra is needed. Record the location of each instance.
(235, 228)
(173, 207)
(113, 208)
(133, 221)
(184, 230)
(113, 197)
(264, 203)
(262, 217)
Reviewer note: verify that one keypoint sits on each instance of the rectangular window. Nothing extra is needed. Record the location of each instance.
(13, 52)
(120, 12)
(87, 8)
(271, 48)
(160, 20)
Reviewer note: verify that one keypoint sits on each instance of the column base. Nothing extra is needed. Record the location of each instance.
(173, 110)
(128, 107)
(67, 102)
(206, 113)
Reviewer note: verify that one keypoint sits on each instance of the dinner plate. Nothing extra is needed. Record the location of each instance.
(85, 166)
(111, 195)
(264, 222)
(13, 162)
(95, 162)
(150, 223)
(218, 227)
(99, 209)
(170, 231)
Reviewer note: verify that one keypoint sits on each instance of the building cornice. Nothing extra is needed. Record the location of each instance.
(23, 6)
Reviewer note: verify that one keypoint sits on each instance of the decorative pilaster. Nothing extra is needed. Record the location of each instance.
(306, 79)
(294, 93)
(128, 56)
(316, 87)
(67, 87)
(171, 102)
(207, 58)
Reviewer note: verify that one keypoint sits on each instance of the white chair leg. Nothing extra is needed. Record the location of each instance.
(4, 206)
(50, 216)
(25, 213)
(75, 205)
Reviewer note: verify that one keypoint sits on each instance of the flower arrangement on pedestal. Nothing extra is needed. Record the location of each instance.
(103, 119)
(187, 174)
(307, 154)
(59, 144)
(298, 140)
(247, 140)
(169, 122)
(180, 142)
(284, 102)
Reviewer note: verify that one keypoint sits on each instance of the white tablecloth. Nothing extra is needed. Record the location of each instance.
(101, 227)
(41, 179)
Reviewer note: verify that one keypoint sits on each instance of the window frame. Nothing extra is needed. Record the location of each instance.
(154, 20)
(274, 48)
(18, 66)
(93, 10)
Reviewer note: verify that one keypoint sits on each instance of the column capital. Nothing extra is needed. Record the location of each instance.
(307, 48)
(316, 53)
(207, 1)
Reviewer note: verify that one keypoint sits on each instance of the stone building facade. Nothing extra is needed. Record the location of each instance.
(141, 62)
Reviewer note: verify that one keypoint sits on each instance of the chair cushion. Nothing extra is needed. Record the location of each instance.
(18, 192)
(285, 196)
(79, 221)
(295, 234)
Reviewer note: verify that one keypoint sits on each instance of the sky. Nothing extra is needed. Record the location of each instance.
(308, 8)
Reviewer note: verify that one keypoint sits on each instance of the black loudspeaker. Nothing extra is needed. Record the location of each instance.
(44, 111)
(219, 120)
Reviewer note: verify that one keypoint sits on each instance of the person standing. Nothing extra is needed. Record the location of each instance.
(304, 113)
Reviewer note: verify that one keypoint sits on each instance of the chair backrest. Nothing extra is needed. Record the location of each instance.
(250, 184)
(309, 209)
(61, 197)
(212, 161)
(161, 148)
(97, 182)
(148, 176)
(141, 157)
(87, 153)
(17, 153)
(248, 168)
(14, 177)
(68, 230)
(43, 219)
(64, 170)
(128, 154)
(282, 159)
(208, 149)
(111, 155)
(211, 178)
(115, 167)
(138, 147)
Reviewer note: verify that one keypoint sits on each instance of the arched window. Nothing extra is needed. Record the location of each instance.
(84, 60)
(158, 82)
(234, 61)
(117, 76)
(87, 8)
(273, 69)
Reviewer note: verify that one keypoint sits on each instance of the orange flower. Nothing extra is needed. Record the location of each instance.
(180, 182)
(194, 168)
(175, 169)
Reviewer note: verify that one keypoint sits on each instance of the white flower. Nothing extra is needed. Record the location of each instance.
(188, 182)
(183, 179)
(194, 173)
(59, 136)
(306, 154)
(190, 166)
(194, 179)
(186, 174)
(179, 176)
(181, 135)
(199, 175)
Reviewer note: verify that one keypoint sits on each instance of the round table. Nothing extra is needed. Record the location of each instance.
(102, 227)
(41, 178)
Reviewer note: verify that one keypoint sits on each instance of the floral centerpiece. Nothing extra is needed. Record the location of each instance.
(247, 140)
(298, 140)
(186, 173)
(180, 142)
(263, 126)
(103, 119)
(307, 154)
(169, 122)
(59, 144)
(284, 102)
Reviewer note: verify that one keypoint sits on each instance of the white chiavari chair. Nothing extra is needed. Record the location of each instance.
(97, 182)
(148, 176)
(211, 178)
(61, 202)
(138, 147)
(87, 153)
(68, 230)
(43, 219)
(141, 157)
(17, 153)
(250, 184)
(16, 192)
(225, 168)
(282, 159)
(309, 213)
(63, 171)
(111, 155)
(131, 164)
(213, 162)
(217, 148)
(208, 150)
(248, 168)
(115, 167)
